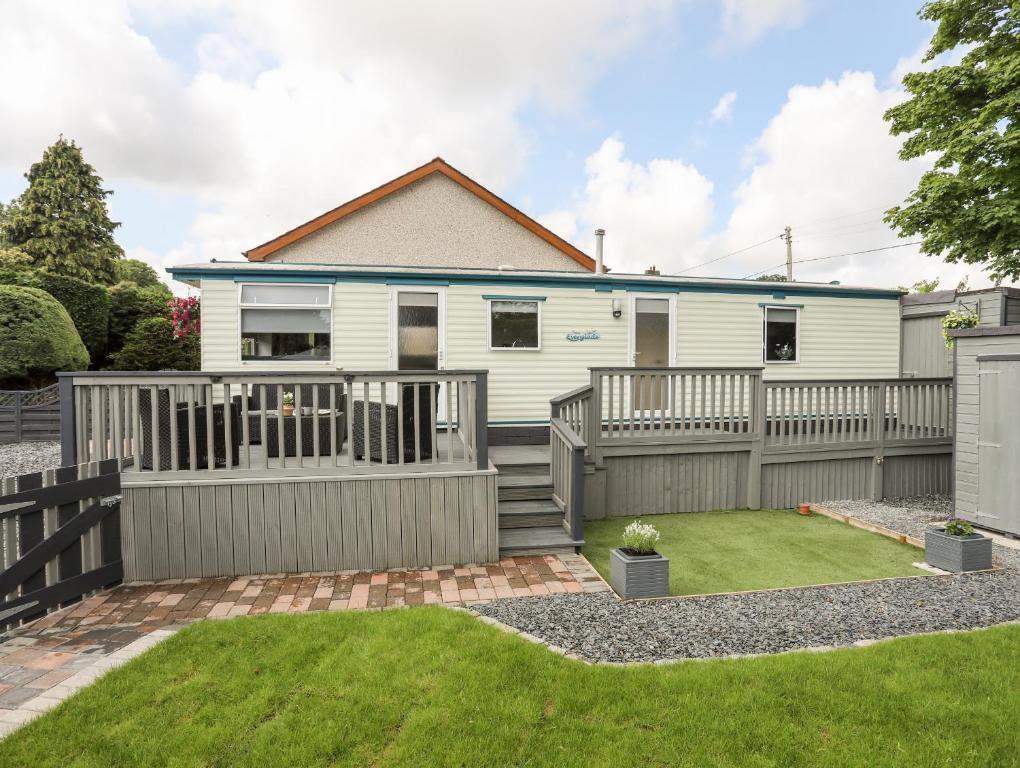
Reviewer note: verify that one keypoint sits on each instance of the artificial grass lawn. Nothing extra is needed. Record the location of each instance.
(758, 549)
(432, 687)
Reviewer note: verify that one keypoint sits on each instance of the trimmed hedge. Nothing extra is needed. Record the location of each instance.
(151, 346)
(129, 305)
(86, 303)
(37, 336)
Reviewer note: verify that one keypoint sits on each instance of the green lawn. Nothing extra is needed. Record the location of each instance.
(431, 687)
(758, 549)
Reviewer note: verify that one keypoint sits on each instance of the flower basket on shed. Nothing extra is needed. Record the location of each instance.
(956, 548)
(636, 570)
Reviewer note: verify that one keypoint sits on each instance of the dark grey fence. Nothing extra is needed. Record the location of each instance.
(59, 538)
(30, 415)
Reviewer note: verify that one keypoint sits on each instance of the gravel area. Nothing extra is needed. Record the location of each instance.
(598, 627)
(913, 516)
(22, 458)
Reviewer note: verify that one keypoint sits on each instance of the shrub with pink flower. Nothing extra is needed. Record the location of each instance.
(186, 314)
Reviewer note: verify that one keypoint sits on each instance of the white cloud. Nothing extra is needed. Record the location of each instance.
(653, 213)
(723, 109)
(827, 165)
(290, 111)
(744, 21)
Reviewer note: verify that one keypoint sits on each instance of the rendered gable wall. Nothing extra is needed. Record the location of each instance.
(433, 222)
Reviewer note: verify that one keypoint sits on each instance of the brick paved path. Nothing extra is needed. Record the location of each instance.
(46, 661)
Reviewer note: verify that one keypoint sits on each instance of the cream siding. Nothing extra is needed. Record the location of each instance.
(221, 346)
(521, 382)
(433, 222)
(839, 337)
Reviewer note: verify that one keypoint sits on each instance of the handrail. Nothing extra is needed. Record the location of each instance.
(566, 467)
(572, 395)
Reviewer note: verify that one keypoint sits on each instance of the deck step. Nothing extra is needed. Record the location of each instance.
(530, 513)
(522, 487)
(506, 470)
(551, 539)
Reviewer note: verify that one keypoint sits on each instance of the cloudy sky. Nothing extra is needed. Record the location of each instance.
(687, 129)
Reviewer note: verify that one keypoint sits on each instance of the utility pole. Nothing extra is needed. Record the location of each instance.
(789, 254)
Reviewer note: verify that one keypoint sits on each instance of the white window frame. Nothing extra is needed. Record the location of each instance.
(764, 335)
(488, 325)
(287, 363)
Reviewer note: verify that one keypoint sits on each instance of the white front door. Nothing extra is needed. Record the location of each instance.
(418, 332)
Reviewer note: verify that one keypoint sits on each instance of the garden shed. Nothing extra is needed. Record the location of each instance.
(987, 487)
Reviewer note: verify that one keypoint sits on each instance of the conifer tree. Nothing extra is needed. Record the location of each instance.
(61, 220)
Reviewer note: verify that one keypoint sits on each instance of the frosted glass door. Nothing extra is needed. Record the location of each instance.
(417, 331)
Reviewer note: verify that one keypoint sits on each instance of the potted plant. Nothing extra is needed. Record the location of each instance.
(955, 547)
(288, 403)
(636, 569)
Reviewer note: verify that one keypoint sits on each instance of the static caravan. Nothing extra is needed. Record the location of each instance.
(536, 332)
(426, 375)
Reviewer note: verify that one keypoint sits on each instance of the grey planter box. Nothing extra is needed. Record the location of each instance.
(638, 576)
(957, 553)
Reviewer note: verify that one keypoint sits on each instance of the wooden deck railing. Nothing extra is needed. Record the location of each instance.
(811, 413)
(575, 409)
(675, 404)
(238, 424)
(628, 412)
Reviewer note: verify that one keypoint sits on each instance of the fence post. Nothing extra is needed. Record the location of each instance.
(576, 510)
(756, 406)
(482, 419)
(17, 417)
(68, 439)
(878, 465)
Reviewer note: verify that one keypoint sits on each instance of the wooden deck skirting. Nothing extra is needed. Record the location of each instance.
(172, 530)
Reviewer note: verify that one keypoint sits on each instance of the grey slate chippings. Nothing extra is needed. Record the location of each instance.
(600, 628)
(23, 458)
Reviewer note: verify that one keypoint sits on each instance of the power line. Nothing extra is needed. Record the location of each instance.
(734, 253)
(833, 256)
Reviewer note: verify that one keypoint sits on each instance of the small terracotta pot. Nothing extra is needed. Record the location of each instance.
(288, 410)
(804, 509)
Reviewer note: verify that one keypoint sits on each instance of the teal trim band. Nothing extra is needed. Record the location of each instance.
(784, 305)
(491, 297)
(417, 281)
(778, 295)
(328, 280)
(600, 284)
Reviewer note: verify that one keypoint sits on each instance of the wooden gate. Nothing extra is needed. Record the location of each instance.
(60, 538)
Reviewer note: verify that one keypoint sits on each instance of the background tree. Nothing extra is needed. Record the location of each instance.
(776, 278)
(137, 272)
(61, 220)
(967, 208)
(922, 286)
(37, 337)
(151, 346)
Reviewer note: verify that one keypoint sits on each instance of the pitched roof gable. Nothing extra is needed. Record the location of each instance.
(438, 165)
